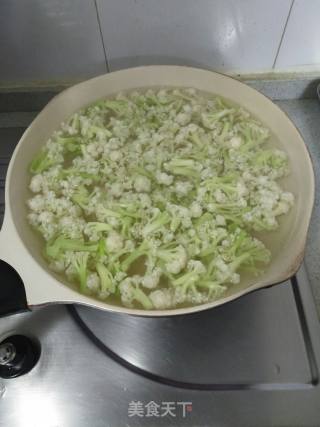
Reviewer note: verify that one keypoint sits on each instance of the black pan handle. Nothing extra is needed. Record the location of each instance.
(12, 292)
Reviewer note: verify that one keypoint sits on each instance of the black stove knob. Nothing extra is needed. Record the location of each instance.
(18, 355)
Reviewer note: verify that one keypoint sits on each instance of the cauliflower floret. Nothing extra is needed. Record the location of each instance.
(116, 189)
(114, 143)
(121, 275)
(94, 149)
(207, 173)
(103, 294)
(220, 220)
(93, 282)
(175, 266)
(161, 298)
(120, 130)
(150, 156)
(129, 245)
(151, 281)
(37, 203)
(181, 215)
(188, 109)
(72, 227)
(221, 265)
(282, 208)
(179, 296)
(70, 185)
(196, 210)
(168, 237)
(164, 178)
(183, 118)
(220, 196)
(145, 200)
(196, 297)
(179, 262)
(115, 155)
(71, 272)
(33, 219)
(196, 266)
(287, 197)
(235, 142)
(57, 266)
(142, 184)
(235, 278)
(182, 188)
(242, 189)
(36, 183)
(114, 242)
(127, 291)
(46, 218)
(86, 165)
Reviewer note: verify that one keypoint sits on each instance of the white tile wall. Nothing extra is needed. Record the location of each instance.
(60, 39)
(221, 34)
(45, 40)
(301, 41)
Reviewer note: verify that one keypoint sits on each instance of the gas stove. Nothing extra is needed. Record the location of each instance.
(252, 362)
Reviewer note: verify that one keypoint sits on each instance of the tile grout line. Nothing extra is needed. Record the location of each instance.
(101, 35)
(283, 33)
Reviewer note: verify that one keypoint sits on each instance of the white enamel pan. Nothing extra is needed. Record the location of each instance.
(26, 281)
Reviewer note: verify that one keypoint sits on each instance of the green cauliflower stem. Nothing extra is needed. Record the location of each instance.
(41, 162)
(80, 266)
(106, 279)
(62, 244)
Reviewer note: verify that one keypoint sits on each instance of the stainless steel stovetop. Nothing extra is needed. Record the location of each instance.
(252, 362)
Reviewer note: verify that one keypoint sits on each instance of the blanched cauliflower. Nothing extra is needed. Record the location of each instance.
(153, 198)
